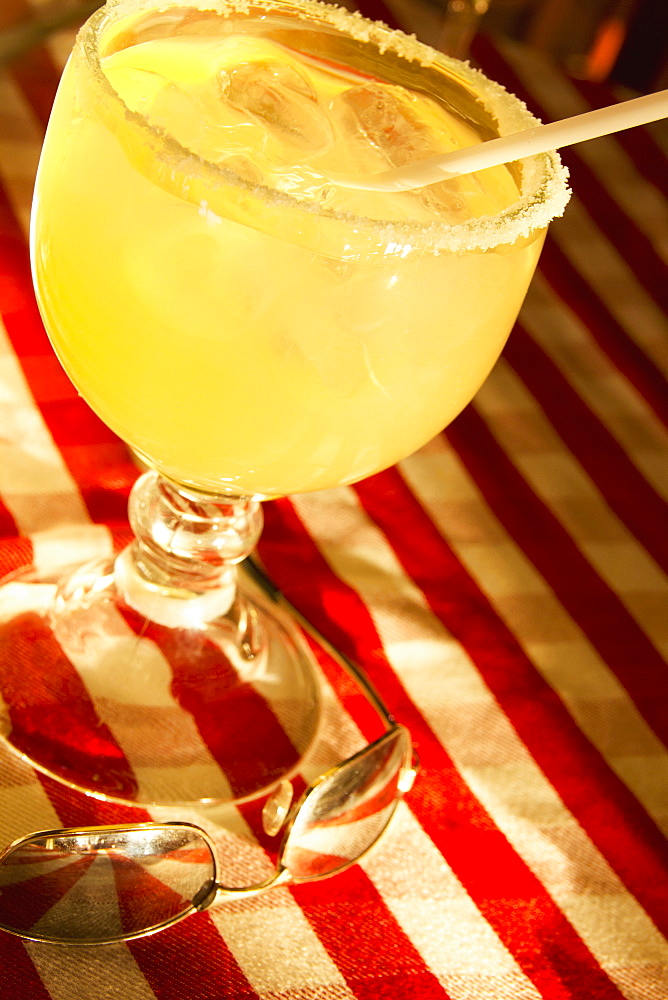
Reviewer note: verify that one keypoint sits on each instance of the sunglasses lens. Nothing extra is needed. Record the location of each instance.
(102, 885)
(346, 812)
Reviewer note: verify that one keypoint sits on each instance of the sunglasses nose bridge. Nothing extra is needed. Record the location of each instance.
(221, 893)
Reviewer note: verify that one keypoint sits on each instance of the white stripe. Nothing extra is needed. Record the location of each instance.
(24, 808)
(70, 545)
(613, 280)
(512, 796)
(277, 949)
(72, 973)
(29, 458)
(18, 160)
(60, 45)
(440, 918)
(562, 483)
(620, 407)
(78, 898)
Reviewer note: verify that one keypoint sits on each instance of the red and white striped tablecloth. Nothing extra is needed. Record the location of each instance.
(505, 588)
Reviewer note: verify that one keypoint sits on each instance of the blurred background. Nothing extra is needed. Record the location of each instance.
(624, 41)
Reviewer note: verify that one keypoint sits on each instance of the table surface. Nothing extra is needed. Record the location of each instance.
(505, 588)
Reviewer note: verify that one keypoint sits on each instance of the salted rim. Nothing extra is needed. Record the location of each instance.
(545, 191)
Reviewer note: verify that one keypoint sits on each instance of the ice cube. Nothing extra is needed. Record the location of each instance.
(390, 120)
(404, 127)
(266, 71)
(457, 200)
(277, 94)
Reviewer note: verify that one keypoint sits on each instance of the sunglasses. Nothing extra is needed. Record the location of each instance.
(103, 885)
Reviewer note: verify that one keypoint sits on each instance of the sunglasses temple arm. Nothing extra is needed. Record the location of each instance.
(267, 585)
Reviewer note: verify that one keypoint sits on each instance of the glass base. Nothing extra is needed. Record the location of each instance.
(127, 709)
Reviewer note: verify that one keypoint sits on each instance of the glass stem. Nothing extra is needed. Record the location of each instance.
(180, 570)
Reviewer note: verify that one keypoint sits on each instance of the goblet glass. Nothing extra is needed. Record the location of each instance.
(250, 331)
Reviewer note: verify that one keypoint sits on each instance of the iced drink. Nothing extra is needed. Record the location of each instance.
(243, 323)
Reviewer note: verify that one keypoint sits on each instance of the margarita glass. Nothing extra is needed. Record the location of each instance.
(251, 331)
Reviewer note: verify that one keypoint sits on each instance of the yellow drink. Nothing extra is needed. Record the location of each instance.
(243, 324)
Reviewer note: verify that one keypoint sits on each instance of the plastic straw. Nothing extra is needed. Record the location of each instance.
(506, 149)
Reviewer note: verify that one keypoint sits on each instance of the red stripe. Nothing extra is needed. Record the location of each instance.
(14, 554)
(71, 423)
(7, 529)
(19, 976)
(589, 601)
(76, 811)
(347, 689)
(607, 332)
(605, 808)
(191, 960)
(37, 77)
(620, 230)
(298, 567)
(383, 959)
(66, 414)
(506, 892)
(105, 475)
(17, 299)
(624, 489)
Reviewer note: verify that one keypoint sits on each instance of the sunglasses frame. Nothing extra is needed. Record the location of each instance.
(212, 892)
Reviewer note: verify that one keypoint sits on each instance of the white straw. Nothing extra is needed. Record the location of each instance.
(529, 142)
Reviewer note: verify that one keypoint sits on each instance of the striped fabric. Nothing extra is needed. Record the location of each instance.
(505, 587)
